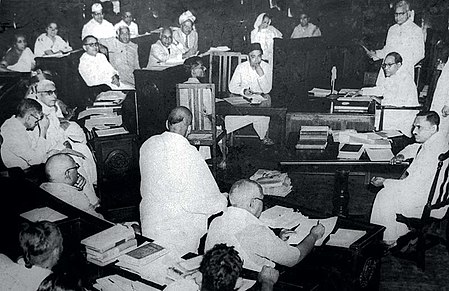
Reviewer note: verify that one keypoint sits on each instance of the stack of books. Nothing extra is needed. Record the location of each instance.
(273, 183)
(106, 246)
(350, 151)
(312, 137)
(142, 256)
(104, 117)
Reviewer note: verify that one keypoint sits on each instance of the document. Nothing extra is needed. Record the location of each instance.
(281, 217)
(379, 155)
(345, 237)
(44, 213)
(306, 224)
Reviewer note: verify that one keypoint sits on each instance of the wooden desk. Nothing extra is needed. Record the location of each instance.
(278, 114)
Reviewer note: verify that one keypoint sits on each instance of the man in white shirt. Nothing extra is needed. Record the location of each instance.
(404, 37)
(258, 246)
(440, 100)
(165, 52)
(250, 79)
(397, 89)
(187, 36)
(127, 20)
(178, 191)
(408, 195)
(305, 28)
(94, 67)
(98, 26)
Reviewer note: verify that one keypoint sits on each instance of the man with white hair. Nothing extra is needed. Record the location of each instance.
(187, 36)
(164, 52)
(258, 246)
(98, 26)
(68, 185)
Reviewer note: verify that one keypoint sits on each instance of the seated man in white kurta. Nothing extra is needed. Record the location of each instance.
(95, 68)
(62, 133)
(258, 246)
(408, 196)
(397, 89)
(251, 77)
(165, 52)
(68, 185)
(178, 191)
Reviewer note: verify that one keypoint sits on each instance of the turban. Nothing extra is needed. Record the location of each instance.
(186, 16)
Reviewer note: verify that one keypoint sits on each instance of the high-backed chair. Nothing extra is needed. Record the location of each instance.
(220, 73)
(384, 108)
(438, 199)
(200, 99)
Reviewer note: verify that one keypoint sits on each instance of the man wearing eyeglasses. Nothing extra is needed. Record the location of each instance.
(98, 26)
(404, 37)
(67, 184)
(165, 52)
(94, 67)
(258, 246)
(61, 133)
(397, 89)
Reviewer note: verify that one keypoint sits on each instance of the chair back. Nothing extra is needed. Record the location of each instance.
(200, 99)
(221, 68)
(439, 191)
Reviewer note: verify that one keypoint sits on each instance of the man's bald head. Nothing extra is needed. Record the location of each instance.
(179, 120)
(247, 194)
(56, 169)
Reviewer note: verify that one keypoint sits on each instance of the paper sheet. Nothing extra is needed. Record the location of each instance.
(281, 217)
(379, 155)
(44, 213)
(306, 224)
(345, 237)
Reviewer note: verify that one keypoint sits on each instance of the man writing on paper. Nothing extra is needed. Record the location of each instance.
(405, 37)
(178, 190)
(408, 195)
(258, 246)
(397, 89)
(251, 79)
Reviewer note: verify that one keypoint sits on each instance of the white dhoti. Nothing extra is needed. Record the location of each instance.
(260, 123)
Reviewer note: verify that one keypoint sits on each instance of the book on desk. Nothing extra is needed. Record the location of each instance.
(312, 137)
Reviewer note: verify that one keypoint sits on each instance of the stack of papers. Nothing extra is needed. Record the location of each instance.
(142, 255)
(350, 151)
(106, 246)
(283, 217)
(345, 237)
(273, 183)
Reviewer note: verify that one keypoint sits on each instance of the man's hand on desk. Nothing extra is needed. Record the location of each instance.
(317, 231)
(377, 181)
(286, 233)
(398, 159)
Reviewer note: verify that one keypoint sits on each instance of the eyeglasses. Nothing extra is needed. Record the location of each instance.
(38, 118)
(93, 44)
(48, 92)
(71, 168)
(97, 13)
(400, 13)
(389, 65)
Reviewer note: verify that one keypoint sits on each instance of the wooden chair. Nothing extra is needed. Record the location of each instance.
(200, 99)
(220, 73)
(437, 199)
(382, 109)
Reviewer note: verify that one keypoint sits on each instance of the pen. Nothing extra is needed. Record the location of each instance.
(318, 222)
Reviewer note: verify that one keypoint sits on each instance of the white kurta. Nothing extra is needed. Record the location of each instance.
(133, 28)
(160, 55)
(245, 77)
(311, 30)
(256, 243)
(407, 40)
(96, 70)
(45, 43)
(17, 277)
(22, 148)
(409, 195)
(124, 58)
(178, 192)
(188, 42)
(103, 30)
(25, 63)
(441, 99)
(85, 200)
(397, 90)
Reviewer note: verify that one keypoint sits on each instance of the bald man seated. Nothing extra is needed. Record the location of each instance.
(258, 246)
(65, 183)
(178, 190)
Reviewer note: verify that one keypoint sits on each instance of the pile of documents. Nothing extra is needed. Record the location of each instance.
(104, 117)
(142, 255)
(273, 183)
(350, 151)
(312, 137)
(106, 246)
(283, 217)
